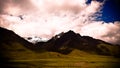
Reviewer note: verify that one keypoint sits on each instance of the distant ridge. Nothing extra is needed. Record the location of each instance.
(63, 43)
(8, 36)
(66, 42)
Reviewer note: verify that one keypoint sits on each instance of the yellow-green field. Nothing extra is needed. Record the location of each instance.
(56, 60)
(21, 57)
(76, 62)
(15, 52)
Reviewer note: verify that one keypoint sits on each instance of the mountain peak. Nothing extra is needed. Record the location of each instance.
(67, 35)
(70, 35)
(70, 31)
(66, 42)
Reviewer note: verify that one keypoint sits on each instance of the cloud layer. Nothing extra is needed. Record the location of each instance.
(46, 18)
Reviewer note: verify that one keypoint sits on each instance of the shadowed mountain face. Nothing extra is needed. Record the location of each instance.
(66, 42)
(16, 52)
(13, 47)
(63, 43)
(9, 37)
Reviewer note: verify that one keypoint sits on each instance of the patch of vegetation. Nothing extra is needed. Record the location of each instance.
(113, 50)
(15, 52)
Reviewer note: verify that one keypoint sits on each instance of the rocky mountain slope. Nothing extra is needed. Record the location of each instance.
(16, 52)
(66, 42)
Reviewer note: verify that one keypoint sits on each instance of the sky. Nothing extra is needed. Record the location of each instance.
(99, 19)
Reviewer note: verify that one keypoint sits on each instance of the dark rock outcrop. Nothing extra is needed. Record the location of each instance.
(66, 42)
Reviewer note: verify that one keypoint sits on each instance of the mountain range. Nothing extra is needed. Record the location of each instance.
(66, 42)
(63, 43)
(14, 47)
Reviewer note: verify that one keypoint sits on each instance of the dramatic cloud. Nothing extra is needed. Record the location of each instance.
(109, 32)
(46, 18)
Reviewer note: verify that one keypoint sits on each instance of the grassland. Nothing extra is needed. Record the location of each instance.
(15, 52)
(21, 57)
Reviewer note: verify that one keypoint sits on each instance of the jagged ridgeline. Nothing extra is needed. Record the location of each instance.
(65, 48)
(66, 42)
(16, 52)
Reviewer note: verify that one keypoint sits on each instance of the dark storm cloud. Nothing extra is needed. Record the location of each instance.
(22, 4)
(25, 4)
(3, 5)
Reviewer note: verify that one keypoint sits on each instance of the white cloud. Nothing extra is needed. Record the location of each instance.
(109, 32)
(46, 18)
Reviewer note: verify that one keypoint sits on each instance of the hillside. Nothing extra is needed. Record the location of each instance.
(63, 50)
(66, 42)
(14, 47)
